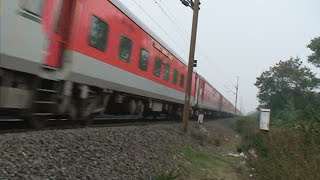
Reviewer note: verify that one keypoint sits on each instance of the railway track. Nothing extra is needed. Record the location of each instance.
(19, 126)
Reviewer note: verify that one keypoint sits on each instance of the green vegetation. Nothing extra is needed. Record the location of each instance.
(314, 46)
(205, 165)
(289, 89)
(287, 152)
(291, 153)
(199, 135)
(291, 150)
(171, 175)
(209, 158)
(252, 137)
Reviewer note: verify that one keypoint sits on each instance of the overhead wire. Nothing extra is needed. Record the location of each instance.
(173, 22)
(165, 32)
(183, 32)
(178, 28)
(175, 19)
(224, 83)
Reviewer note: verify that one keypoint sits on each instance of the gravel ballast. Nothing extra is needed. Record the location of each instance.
(89, 153)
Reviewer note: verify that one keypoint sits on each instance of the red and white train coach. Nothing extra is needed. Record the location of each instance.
(84, 57)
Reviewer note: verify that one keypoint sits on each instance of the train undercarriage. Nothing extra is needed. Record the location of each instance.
(37, 99)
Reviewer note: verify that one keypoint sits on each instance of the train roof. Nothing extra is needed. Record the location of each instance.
(144, 27)
(204, 79)
(135, 19)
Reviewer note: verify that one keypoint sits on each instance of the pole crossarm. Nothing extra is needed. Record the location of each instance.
(189, 3)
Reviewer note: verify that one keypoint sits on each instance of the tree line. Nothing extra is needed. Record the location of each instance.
(290, 89)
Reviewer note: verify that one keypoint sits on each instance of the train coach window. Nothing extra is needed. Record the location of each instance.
(166, 72)
(33, 6)
(144, 60)
(157, 67)
(125, 48)
(98, 34)
(175, 76)
(182, 80)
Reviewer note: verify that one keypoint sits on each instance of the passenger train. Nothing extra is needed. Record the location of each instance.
(80, 58)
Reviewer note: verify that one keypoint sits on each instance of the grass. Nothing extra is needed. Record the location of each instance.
(204, 165)
(206, 158)
(171, 175)
(199, 135)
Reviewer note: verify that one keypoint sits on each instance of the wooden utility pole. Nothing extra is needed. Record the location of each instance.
(237, 89)
(186, 109)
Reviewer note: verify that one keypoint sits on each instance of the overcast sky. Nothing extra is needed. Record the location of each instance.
(235, 37)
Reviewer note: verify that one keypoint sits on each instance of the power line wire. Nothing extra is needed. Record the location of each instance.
(179, 30)
(202, 54)
(175, 19)
(205, 57)
(182, 37)
(166, 33)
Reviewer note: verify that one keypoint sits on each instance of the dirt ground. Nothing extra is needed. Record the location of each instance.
(216, 157)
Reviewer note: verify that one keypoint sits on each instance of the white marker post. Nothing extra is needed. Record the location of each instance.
(200, 118)
(265, 119)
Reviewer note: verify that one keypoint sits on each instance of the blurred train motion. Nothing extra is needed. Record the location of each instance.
(80, 58)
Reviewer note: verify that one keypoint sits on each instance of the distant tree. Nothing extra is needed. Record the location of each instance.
(314, 46)
(289, 86)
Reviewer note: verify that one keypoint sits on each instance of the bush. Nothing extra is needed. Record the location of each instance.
(296, 109)
(291, 114)
(252, 137)
(288, 114)
(290, 151)
(293, 152)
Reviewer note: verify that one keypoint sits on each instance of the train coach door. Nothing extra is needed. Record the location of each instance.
(201, 91)
(196, 87)
(220, 102)
(57, 17)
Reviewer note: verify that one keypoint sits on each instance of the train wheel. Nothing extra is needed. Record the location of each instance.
(132, 106)
(36, 122)
(140, 108)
